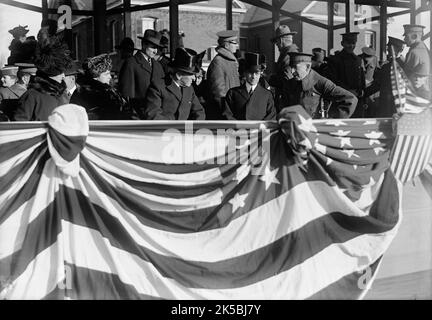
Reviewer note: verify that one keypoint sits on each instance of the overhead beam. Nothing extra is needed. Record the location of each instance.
(139, 8)
(88, 13)
(376, 18)
(21, 5)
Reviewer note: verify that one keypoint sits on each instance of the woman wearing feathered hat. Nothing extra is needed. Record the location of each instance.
(175, 99)
(46, 89)
(95, 93)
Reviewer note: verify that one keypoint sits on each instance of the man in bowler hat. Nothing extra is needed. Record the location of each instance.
(250, 101)
(139, 71)
(175, 99)
(308, 89)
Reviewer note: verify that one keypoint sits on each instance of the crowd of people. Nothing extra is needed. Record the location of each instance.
(41, 75)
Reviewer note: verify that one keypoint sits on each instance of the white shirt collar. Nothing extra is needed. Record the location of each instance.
(248, 87)
(71, 91)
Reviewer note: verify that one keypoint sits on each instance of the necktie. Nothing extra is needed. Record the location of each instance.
(250, 92)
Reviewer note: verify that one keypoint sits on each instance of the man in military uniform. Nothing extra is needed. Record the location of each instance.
(383, 82)
(417, 57)
(250, 101)
(175, 99)
(308, 88)
(319, 63)
(139, 71)
(283, 39)
(222, 73)
(346, 70)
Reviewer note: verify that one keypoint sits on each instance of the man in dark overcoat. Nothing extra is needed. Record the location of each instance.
(308, 89)
(175, 99)
(139, 71)
(346, 69)
(250, 101)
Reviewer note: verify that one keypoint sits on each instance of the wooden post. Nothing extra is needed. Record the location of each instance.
(127, 19)
(414, 16)
(174, 26)
(229, 15)
(349, 15)
(99, 29)
(275, 24)
(68, 32)
(330, 24)
(44, 9)
(383, 29)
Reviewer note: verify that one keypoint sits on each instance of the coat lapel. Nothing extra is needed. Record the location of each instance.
(142, 61)
(252, 105)
(172, 87)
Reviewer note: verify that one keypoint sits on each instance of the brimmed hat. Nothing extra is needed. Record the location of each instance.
(186, 60)
(9, 71)
(74, 69)
(126, 44)
(349, 36)
(395, 42)
(297, 57)
(96, 65)
(253, 62)
(151, 36)
(52, 57)
(29, 68)
(227, 35)
(412, 28)
(281, 31)
(19, 31)
(368, 51)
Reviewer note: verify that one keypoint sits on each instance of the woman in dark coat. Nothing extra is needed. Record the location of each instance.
(46, 90)
(95, 93)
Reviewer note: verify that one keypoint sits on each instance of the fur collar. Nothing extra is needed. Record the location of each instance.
(46, 85)
(226, 53)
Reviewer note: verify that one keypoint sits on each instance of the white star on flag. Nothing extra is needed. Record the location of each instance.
(307, 124)
(377, 150)
(306, 143)
(340, 133)
(269, 177)
(369, 122)
(373, 135)
(355, 166)
(336, 123)
(350, 153)
(345, 141)
(238, 201)
(373, 141)
(329, 161)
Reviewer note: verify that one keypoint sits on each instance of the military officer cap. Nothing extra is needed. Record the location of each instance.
(227, 35)
(368, 51)
(395, 42)
(412, 28)
(297, 57)
(19, 31)
(281, 31)
(29, 68)
(350, 36)
(9, 71)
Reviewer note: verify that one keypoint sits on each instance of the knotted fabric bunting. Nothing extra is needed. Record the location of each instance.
(67, 133)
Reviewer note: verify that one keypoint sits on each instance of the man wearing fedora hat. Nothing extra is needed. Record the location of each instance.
(417, 57)
(175, 99)
(250, 101)
(139, 71)
(309, 89)
(346, 70)
(283, 39)
(222, 73)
